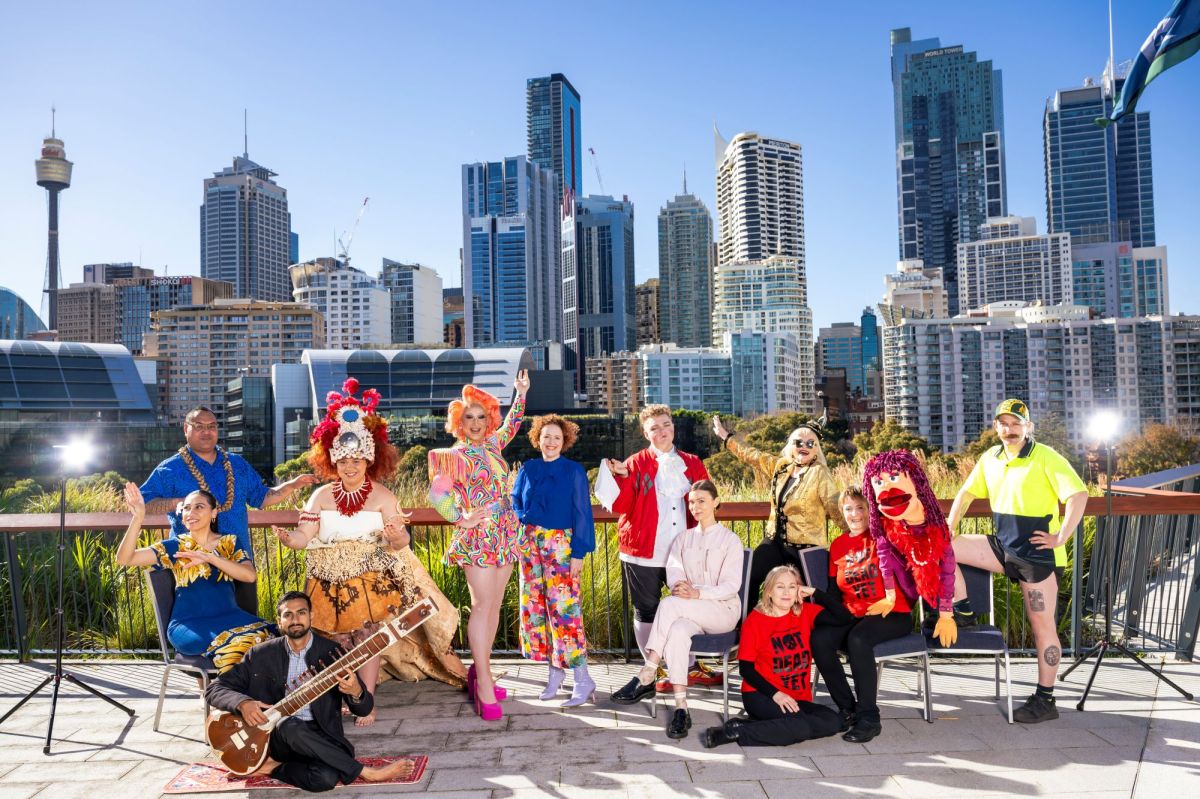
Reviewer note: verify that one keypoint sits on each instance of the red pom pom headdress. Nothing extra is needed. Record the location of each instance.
(344, 433)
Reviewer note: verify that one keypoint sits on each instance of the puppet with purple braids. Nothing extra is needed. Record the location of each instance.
(911, 538)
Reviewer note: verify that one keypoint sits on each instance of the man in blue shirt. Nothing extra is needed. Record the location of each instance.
(228, 477)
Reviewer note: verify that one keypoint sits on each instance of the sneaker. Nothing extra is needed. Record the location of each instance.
(1035, 710)
(863, 730)
(697, 675)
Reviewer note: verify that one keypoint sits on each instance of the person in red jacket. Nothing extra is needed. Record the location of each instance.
(652, 510)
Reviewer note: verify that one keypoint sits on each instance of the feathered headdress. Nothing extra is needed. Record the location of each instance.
(344, 432)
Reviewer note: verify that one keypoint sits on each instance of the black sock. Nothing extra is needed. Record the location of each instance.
(963, 606)
(1044, 692)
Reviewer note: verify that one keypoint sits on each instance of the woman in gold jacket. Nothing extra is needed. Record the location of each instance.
(804, 498)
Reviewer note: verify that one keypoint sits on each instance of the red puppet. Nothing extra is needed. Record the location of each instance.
(911, 537)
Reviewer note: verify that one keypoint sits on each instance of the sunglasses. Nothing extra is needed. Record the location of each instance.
(804, 444)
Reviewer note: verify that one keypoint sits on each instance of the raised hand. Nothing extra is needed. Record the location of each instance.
(133, 499)
(395, 534)
(522, 382)
(719, 429)
(618, 468)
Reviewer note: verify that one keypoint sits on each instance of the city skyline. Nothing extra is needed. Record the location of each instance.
(402, 116)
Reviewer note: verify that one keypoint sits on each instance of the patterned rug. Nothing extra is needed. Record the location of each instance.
(210, 776)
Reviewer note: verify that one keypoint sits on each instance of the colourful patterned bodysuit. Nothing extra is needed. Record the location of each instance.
(469, 476)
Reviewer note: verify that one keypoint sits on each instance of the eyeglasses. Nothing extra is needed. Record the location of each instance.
(204, 427)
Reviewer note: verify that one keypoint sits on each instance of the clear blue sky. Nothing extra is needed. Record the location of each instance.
(388, 99)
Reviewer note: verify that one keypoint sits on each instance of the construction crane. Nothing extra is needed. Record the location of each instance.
(596, 166)
(344, 247)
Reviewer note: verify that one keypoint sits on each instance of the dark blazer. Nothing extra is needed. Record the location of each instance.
(262, 675)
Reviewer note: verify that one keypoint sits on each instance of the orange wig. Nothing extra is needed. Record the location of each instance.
(472, 396)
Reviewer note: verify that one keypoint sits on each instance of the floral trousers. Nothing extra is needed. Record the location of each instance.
(551, 614)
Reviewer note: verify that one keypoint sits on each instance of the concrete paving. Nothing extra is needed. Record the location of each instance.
(1137, 738)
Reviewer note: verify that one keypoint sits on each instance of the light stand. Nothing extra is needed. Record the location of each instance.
(75, 455)
(1104, 426)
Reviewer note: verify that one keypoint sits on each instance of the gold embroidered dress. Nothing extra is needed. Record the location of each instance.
(356, 581)
(205, 619)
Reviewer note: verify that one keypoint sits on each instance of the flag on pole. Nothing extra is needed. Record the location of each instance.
(1175, 38)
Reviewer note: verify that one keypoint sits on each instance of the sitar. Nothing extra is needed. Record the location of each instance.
(242, 748)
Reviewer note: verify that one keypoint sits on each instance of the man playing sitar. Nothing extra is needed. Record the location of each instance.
(307, 746)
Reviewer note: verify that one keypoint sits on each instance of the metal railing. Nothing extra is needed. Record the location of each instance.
(108, 611)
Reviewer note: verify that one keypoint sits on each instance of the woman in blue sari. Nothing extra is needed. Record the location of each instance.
(205, 619)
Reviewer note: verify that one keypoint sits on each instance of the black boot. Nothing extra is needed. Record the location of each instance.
(727, 733)
(864, 730)
(632, 692)
(848, 717)
(681, 722)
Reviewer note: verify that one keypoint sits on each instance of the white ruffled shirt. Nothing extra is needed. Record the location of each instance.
(671, 488)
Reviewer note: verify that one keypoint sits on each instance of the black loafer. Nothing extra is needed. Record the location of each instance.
(632, 692)
(863, 730)
(681, 722)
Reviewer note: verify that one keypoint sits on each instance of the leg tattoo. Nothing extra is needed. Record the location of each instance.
(1037, 603)
(1052, 655)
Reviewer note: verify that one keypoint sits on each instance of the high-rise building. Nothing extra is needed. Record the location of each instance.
(86, 312)
(293, 248)
(110, 273)
(512, 283)
(614, 382)
(356, 309)
(694, 379)
(949, 120)
(844, 346)
(207, 346)
(760, 199)
(249, 422)
(416, 293)
(646, 301)
(1118, 279)
(944, 377)
(599, 314)
(765, 373)
(1099, 182)
(555, 132)
(914, 291)
(244, 227)
(685, 271)
(1011, 262)
(872, 354)
(138, 298)
(453, 323)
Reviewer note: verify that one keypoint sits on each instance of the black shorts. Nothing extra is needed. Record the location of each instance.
(645, 585)
(1020, 570)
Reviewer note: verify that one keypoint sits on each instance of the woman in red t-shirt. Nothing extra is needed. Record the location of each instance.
(776, 664)
(854, 564)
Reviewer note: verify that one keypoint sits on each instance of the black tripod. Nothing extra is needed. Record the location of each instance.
(58, 675)
(1108, 641)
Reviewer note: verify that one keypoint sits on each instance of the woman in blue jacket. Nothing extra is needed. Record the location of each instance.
(552, 499)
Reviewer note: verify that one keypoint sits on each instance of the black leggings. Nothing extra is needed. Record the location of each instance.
(858, 640)
(767, 555)
(772, 727)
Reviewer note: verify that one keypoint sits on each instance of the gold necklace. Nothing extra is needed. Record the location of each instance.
(199, 478)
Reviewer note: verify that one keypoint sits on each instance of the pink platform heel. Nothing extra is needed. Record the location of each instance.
(501, 693)
(493, 712)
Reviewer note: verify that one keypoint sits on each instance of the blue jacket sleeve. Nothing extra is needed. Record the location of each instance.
(520, 485)
(583, 527)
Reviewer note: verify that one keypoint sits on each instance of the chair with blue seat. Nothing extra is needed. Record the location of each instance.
(814, 563)
(162, 591)
(722, 645)
(982, 639)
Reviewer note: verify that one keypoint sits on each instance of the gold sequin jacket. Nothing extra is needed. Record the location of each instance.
(810, 504)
